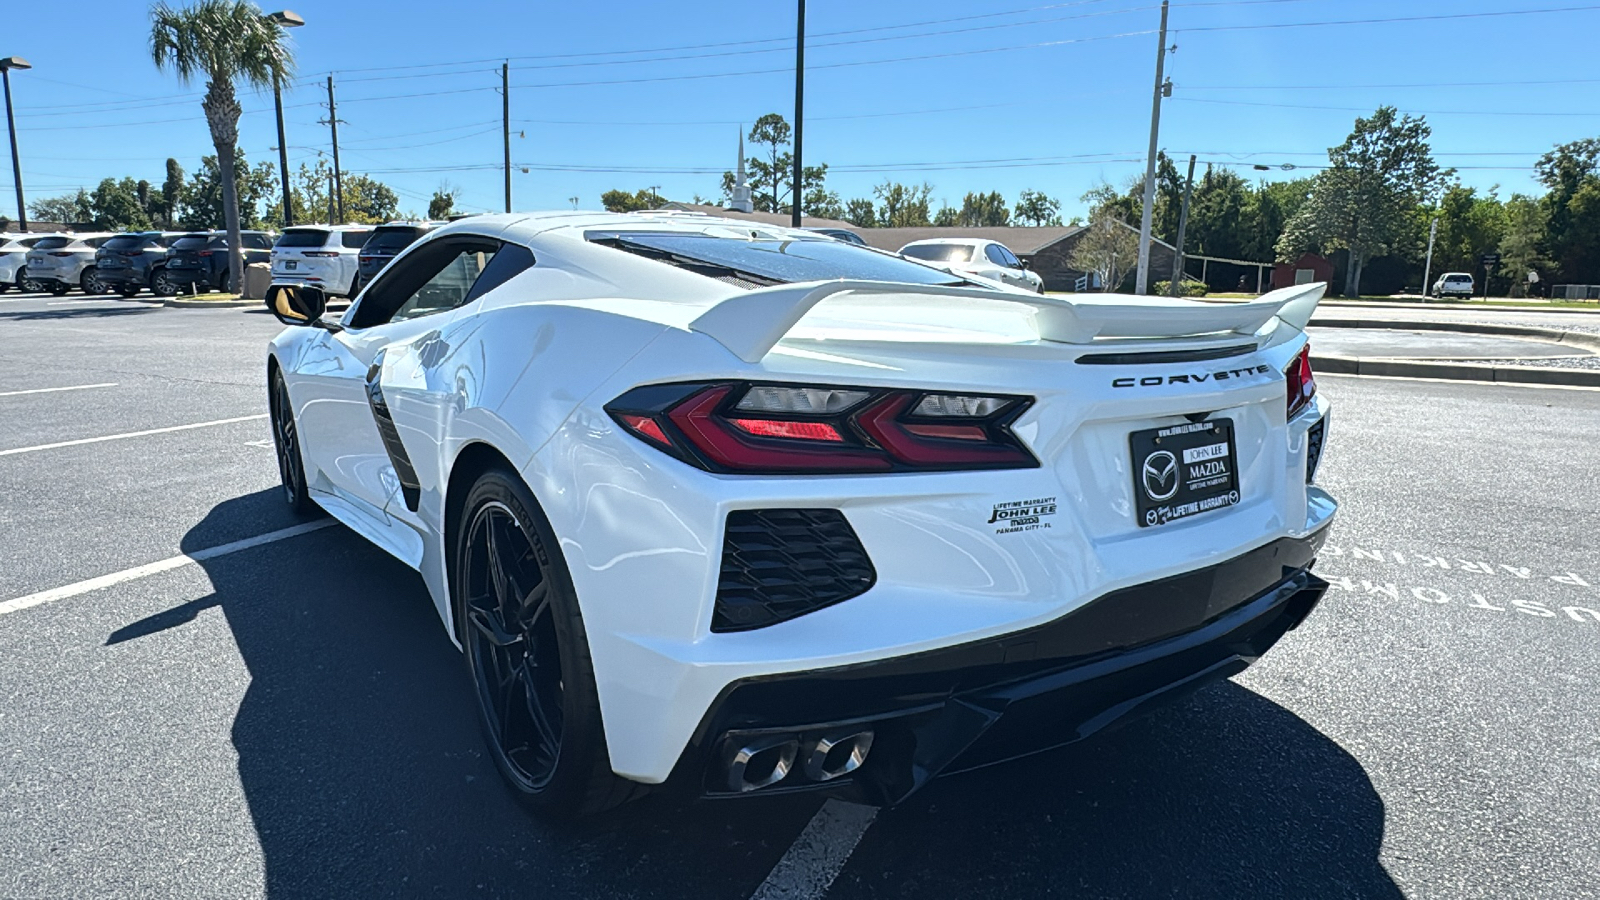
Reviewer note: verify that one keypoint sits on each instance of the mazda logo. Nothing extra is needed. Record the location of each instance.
(1160, 476)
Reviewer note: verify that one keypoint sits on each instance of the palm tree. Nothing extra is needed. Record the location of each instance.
(223, 41)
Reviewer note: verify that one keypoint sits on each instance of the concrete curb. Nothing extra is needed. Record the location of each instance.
(1410, 368)
(153, 301)
(1580, 339)
(1332, 303)
(189, 303)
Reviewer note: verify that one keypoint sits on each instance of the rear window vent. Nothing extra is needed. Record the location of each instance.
(778, 564)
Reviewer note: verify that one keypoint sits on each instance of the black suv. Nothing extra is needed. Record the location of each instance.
(199, 261)
(386, 243)
(129, 262)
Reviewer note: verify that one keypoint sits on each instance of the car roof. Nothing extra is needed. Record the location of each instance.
(962, 242)
(319, 227)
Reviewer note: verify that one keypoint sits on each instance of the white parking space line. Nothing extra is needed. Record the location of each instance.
(90, 300)
(74, 387)
(130, 434)
(148, 569)
(816, 857)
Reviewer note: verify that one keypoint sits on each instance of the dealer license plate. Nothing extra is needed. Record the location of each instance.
(1183, 470)
(290, 264)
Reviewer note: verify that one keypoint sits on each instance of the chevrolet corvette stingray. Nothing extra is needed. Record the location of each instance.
(737, 510)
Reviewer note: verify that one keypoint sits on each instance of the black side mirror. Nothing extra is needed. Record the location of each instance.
(297, 304)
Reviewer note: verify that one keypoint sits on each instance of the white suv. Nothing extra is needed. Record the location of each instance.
(1453, 284)
(985, 259)
(324, 256)
(64, 261)
(14, 261)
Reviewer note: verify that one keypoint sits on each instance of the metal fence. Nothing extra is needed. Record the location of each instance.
(1575, 292)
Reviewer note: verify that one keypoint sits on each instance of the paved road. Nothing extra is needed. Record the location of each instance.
(290, 721)
(1574, 320)
(1392, 343)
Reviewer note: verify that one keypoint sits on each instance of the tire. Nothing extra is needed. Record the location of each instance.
(4, 287)
(286, 438)
(163, 285)
(90, 281)
(540, 715)
(28, 285)
(129, 290)
(222, 281)
(59, 288)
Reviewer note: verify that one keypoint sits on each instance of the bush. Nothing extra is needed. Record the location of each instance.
(1186, 288)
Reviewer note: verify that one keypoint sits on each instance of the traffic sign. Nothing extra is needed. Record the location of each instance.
(1490, 259)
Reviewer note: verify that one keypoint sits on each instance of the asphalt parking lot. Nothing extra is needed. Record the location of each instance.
(289, 719)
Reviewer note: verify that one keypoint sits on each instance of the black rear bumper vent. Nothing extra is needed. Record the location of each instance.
(781, 563)
(1314, 439)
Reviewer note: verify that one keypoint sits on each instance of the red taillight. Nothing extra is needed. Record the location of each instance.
(802, 429)
(207, 252)
(1302, 385)
(320, 253)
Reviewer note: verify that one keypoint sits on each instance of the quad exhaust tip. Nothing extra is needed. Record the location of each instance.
(765, 761)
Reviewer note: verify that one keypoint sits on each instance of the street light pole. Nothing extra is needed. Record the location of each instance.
(799, 111)
(1146, 219)
(283, 18)
(6, 65)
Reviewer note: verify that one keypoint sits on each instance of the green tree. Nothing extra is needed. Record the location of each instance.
(983, 210)
(368, 201)
(1108, 248)
(68, 209)
(1572, 209)
(1522, 247)
(947, 217)
(903, 206)
(1469, 226)
(172, 195)
(443, 204)
(861, 213)
(1037, 208)
(1267, 209)
(771, 171)
(222, 41)
(1362, 202)
(622, 201)
(205, 199)
(117, 208)
(823, 203)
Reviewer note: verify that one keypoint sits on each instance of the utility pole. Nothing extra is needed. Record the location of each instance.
(6, 65)
(505, 118)
(1183, 230)
(1427, 269)
(337, 197)
(799, 110)
(1146, 220)
(283, 153)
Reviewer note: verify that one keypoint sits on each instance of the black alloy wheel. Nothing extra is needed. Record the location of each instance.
(519, 623)
(286, 438)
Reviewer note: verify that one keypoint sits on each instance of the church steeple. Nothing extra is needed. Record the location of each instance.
(740, 201)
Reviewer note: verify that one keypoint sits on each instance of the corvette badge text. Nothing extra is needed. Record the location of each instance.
(1022, 515)
(1190, 378)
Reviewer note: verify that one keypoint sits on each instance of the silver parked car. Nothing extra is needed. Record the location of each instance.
(14, 261)
(62, 262)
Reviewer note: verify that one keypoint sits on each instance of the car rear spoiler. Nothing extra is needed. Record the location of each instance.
(750, 324)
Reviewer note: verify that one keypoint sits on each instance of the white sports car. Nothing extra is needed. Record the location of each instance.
(748, 510)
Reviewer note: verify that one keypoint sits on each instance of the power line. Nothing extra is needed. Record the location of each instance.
(1394, 19)
(1363, 109)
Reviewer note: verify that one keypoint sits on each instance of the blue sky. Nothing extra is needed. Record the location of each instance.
(999, 95)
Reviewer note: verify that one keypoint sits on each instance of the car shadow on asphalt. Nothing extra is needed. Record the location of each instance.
(85, 312)
(1224, 795)
(361, 762)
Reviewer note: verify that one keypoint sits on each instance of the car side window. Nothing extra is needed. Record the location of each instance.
(993, 252)
(1010, 258)
(352, 240)
(434, 278)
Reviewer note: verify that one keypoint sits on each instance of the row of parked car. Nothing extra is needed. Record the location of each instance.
(337, 258)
